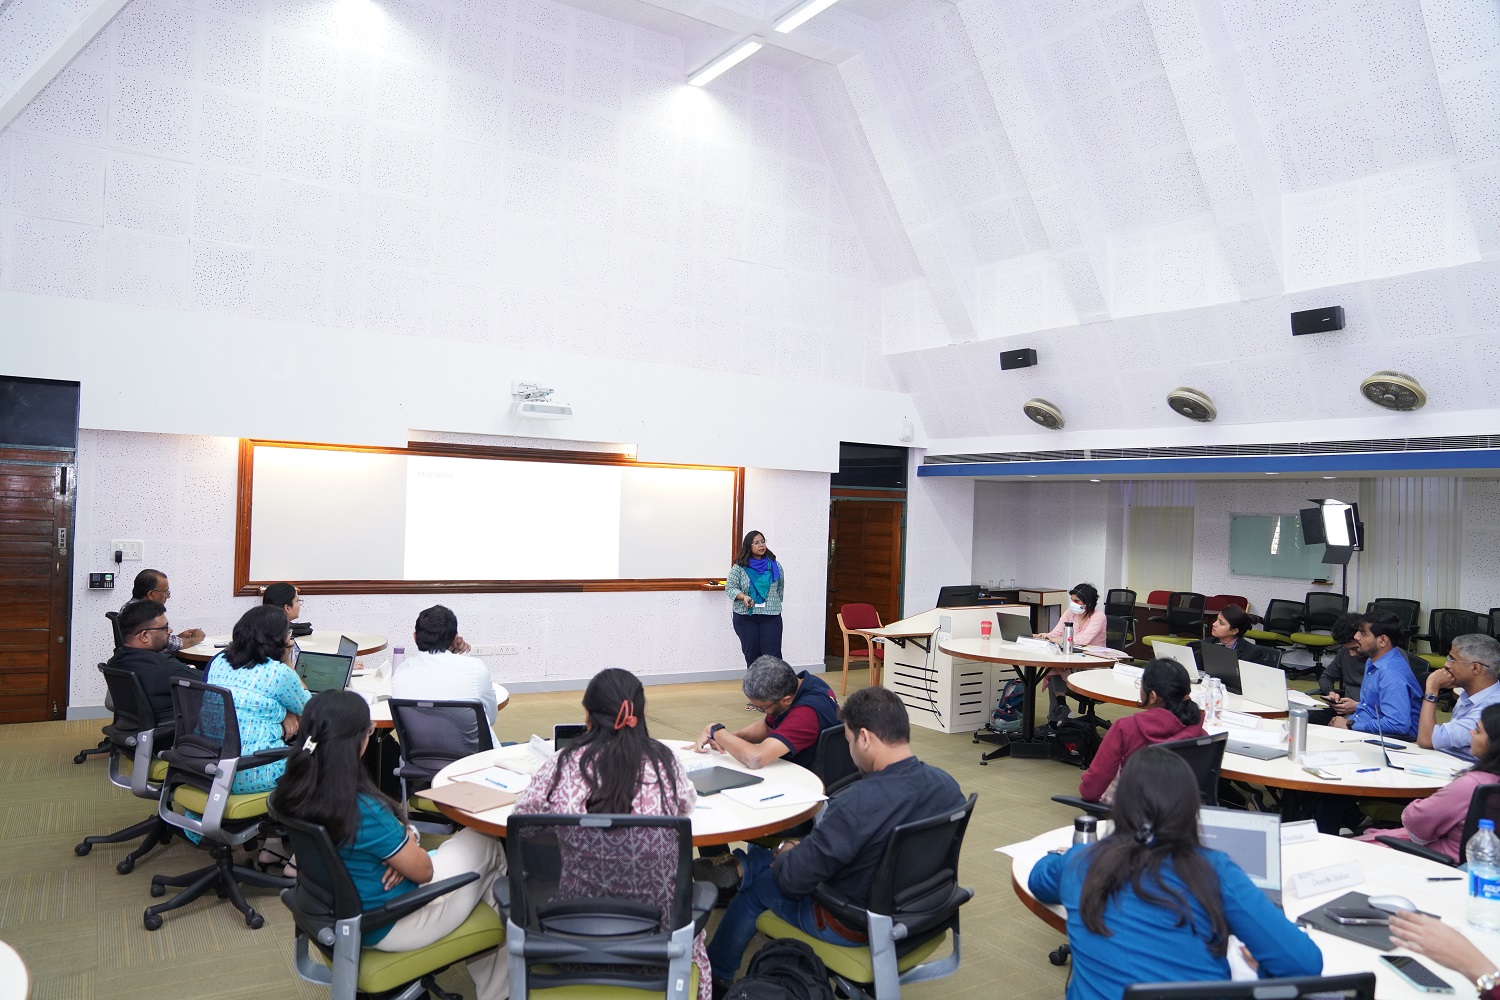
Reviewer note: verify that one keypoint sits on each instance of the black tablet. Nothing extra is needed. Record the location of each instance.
(712, 780)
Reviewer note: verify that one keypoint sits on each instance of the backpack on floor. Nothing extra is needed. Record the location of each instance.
(1075, 741)
(783, 969)
(1006, 718)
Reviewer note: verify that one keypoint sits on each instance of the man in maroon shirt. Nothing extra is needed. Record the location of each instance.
(796, 708)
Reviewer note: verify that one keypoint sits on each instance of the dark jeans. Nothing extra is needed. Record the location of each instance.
(758, 893)
(760, 635)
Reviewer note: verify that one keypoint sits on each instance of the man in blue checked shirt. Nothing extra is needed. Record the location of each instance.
(1389, 698)
(1473, 661)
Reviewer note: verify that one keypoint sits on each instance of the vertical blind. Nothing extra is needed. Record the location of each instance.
(1159, 548)
(1413, 534)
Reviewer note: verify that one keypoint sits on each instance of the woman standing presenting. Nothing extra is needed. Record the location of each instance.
(755, 585)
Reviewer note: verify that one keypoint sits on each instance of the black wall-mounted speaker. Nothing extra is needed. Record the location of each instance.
(1317, 320)
(1024, 358)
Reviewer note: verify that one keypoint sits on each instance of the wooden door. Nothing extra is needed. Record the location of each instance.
(36, 525)
(864, 557)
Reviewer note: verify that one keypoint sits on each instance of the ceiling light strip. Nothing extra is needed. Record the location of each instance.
(722, 64)
(802, 13)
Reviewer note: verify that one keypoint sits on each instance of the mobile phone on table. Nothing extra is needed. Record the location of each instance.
(1322, 772)
(1418, 975)
(1359, 916)
(1388, 746)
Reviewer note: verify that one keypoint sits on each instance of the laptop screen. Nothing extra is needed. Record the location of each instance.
(324, 671)
(1251, 839)
(1012, 627)
(347, 646)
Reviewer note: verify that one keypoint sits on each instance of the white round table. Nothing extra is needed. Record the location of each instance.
(1354, 779)
(716, 820)
(1109, 685)
(15, 980)
(377, 691)
(321, 641)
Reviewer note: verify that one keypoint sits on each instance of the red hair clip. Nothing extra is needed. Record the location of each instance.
(626, 715)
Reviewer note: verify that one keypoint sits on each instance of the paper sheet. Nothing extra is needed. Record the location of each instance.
(771, 795)
(496, 777)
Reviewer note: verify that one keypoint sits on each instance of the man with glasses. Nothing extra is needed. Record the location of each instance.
(151, 585)
(1390, 694)
(796, 708)
(1473, 662)
(144, 627)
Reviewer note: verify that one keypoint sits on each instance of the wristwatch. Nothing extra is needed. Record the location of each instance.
(1488, 981)
(713, 730)
(1430, 697)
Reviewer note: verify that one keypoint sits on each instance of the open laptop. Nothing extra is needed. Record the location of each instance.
(1012, 627)
(325, 671)
(1263, 685)
(1223, 663)
(1251, 839)
(347, 646)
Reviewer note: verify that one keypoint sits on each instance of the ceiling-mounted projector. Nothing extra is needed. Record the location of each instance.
(534, 400)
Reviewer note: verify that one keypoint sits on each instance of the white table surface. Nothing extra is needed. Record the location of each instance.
(1384, 782)
(997, 650)
(321, 641)
(1109, 685)
(15, 980)
(1385, 871)
(716, 818)
(377, 691)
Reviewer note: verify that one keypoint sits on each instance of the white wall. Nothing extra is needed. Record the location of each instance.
(939, 536)
(1049, 534)
(177, 493)
(1480, 584)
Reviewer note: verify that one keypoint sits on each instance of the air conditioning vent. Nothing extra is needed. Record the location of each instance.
(1193, 404)
(1042, 412)
(1394, 391)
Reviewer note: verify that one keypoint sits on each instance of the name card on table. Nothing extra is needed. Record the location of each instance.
(1129, 673)
(1239, 720)
(1301, 832)
(1321, 880)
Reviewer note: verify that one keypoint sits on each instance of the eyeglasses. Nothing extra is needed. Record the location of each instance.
(159, 628)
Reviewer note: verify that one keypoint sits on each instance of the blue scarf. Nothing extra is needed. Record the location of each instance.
(763, 573)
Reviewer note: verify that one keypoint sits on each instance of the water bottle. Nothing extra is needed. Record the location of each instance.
(1067, 637)
(1213, 702)
(397, 655)
(1296, 733)
(1483, 851)
(1085, 829)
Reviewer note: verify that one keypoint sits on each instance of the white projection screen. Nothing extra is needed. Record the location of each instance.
(459, 519)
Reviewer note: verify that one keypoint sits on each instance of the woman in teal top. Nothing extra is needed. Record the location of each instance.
(755, 586)
(268, 694)
(326, 783)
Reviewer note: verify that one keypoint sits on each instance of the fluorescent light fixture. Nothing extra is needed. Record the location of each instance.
(720, 65)
(802, 13)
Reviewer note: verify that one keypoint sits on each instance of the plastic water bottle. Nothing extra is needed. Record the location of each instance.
(1484, 877)
(397, 655)
(1213, 706)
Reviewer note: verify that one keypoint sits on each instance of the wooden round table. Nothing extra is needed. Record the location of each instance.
(1354, 779)
(1032, 659)
(1110, 686)
(321, 641)
(716, 820)
(1385, 871)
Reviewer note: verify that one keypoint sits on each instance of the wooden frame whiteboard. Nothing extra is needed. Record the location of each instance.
(367, 494)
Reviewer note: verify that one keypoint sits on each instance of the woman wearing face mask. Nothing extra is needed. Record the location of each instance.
(1088, 630)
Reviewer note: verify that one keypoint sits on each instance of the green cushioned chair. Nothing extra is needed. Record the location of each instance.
(568, 938)
(133, 738)
(1321, 611)
(1281, 619)
(331, 919)
(913, 904)
(1176, 640)
(195, 798)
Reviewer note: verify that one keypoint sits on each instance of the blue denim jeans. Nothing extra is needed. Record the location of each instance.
(758, 893)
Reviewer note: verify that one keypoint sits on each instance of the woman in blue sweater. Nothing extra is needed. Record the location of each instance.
(1150, 904)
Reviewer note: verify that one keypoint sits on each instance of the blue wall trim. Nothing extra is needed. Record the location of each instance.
(1395, 462)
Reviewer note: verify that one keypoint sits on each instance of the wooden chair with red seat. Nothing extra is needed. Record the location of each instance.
(1158, 598)
(861, 616)
(1219, 602)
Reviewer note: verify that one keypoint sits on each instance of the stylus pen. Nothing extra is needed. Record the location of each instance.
(768, 798)
(1366, 770)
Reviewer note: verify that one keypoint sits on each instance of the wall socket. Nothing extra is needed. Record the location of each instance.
(495, 649)
(133, 550)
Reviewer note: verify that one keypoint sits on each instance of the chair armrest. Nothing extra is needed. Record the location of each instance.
(705, 895)
(1096, 809)
(850, 914)
(501, 890)
(262, 758)
(399, 907)
(1407, 847)
(1155, 618)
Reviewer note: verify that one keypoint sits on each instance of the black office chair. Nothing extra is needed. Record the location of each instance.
(1120, 602)
(134, 740)
(1495, 622)
(913, 903)
(1354, 986)
(201, 766)
(1408, 611)
(1266, 656)
(1119, 631)
(104, 744)
(329, 916)
(1204, 754)
(432, 735)
(1323, 609)
(563, 928)
(1446, 624)
(958, 597)
(832, 762)
(1184, 614)
(1281, 619)
(1483, 804)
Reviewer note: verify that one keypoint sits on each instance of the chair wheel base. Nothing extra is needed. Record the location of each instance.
(79, 759)
(158, 890)
(152, 921)
(125, 867)
(82, 850)
(254, 920)
(1059, 955)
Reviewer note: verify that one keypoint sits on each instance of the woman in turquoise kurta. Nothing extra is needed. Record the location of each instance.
(268, 694)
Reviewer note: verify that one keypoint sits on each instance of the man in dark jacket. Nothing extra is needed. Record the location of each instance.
(143, 625)
(845, 848)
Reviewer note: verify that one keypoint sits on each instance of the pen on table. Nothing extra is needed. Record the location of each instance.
(497, 784)
(1366, 770)
(768, 798)
(1447, 878)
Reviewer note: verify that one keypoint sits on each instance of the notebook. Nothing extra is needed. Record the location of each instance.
(1251, 839)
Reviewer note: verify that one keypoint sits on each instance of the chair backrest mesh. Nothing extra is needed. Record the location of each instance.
(1324, 609)
(114, 627)
(1119, 601)
(1483, 804)
(324, 892)
(1284, 616)
(207, 730)
(1185, 611)
(1205, 755)
(434, 734)
(1116, 630)
(133, 711)
(831, 760)
(1450, 623)
(916, 853)
(1408, 611)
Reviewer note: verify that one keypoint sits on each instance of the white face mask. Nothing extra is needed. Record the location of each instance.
(1075, 607)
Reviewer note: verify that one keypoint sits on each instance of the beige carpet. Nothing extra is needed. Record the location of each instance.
(77, 924)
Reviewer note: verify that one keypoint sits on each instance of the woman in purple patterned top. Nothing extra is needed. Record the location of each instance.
(616, 767)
